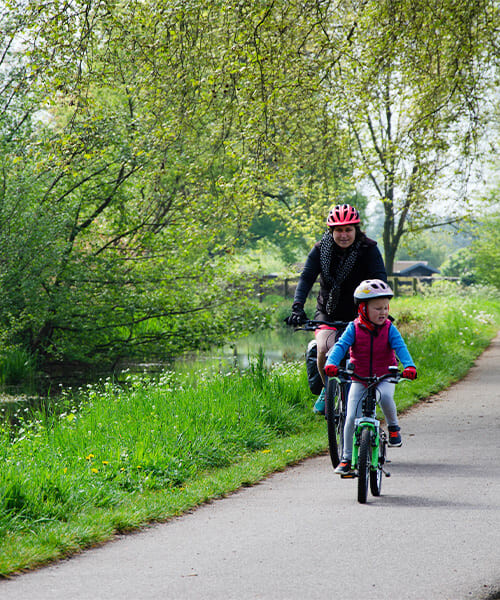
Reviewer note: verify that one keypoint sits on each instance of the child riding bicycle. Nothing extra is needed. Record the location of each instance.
(374, 343)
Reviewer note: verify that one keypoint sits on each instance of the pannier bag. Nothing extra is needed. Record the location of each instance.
(313, 376)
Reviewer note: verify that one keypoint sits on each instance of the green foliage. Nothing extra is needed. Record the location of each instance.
(433, 246)
(445, 331)
(478, 262)
(140, 141)
(460, 264)
(485, 251)
(407, 83)
(16, 367)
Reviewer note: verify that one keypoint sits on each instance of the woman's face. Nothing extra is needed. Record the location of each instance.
(344, 235)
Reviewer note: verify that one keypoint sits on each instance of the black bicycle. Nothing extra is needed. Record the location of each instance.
(336, 392)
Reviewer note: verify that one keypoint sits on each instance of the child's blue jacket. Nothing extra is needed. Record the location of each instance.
(349, 336)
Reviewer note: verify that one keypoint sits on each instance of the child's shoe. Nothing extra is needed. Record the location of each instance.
(319, 406)
(344, 467)
(395, 436)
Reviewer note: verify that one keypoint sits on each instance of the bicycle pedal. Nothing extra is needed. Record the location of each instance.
(351, 475)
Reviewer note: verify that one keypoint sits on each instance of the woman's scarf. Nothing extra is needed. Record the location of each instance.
(335, 267)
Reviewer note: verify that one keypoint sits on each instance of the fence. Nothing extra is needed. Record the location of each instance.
(402, 286)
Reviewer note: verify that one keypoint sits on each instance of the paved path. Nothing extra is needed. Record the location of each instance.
(434, 534)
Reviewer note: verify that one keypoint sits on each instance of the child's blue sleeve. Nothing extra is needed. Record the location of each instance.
(398, 345)
(342, 345)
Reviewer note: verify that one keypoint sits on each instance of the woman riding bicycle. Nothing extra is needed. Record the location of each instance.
(374, 343)
(343, 258)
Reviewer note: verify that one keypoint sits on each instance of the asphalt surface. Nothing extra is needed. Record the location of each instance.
(434, 534)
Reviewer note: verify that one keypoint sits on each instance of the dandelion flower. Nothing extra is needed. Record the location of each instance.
(94, 470)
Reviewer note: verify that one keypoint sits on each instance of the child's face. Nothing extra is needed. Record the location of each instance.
(378, 310)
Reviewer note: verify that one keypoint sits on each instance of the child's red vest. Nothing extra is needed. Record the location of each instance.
(371, 353)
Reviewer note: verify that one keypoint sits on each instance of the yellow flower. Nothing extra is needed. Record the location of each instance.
(94, 470)
(105, 462)
(89, 457)
(65, 470)
(266, 451)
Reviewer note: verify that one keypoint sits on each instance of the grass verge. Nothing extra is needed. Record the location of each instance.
(116, 459)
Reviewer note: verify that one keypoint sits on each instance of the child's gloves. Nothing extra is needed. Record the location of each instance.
(331, 370)
(409, 373)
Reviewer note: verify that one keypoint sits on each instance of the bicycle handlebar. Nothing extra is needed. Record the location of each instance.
(394, 375)
(312, 325)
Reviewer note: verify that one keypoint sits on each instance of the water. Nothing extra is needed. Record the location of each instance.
(275, 346)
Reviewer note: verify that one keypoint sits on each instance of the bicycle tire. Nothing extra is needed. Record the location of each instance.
(364, 464)
(335, 419)
(376, 474)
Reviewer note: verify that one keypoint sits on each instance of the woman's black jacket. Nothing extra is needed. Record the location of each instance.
(369, 265)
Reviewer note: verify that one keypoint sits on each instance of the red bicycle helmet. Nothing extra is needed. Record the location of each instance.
(342, 214)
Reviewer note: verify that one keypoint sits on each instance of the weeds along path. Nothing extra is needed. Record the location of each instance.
(434, 533)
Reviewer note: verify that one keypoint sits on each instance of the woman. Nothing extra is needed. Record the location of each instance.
(343, 258)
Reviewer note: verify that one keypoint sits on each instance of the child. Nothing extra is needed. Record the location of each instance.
(374, 343)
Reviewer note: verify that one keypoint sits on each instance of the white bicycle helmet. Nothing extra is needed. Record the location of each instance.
(372, 288)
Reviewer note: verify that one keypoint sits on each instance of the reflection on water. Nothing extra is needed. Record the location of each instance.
(278, 345)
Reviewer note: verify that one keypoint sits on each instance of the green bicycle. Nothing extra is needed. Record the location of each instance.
(369, 440)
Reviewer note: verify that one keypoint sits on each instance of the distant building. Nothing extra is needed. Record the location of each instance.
(413, 268)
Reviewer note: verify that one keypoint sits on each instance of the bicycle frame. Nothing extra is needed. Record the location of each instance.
(369, 421)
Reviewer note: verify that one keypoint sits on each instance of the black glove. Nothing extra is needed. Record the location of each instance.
(297, 317)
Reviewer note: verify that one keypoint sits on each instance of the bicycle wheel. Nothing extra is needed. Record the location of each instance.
(335, 418)
(364, 464)
(376, 474)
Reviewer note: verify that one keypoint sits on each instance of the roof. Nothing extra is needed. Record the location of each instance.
(411, 267)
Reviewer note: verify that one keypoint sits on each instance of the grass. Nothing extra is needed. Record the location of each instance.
(115, 458)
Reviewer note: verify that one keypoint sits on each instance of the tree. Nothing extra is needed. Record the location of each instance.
(479, 261)
(149, 135)
(460, 264)
(158, 130)
(109, 245)
(411, 84)
(434, 245)
(486, 251)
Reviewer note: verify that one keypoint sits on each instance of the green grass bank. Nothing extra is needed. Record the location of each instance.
(119, 457)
